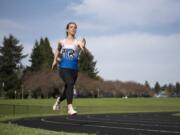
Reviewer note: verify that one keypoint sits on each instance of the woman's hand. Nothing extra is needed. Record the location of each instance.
(54, 64)
(82, 44)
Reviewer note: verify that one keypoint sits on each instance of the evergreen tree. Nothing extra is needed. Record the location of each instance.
(177, 89)
(157, 87)
(87, 64)
(42, 55)
(164, 87)
(36, 57)
(171, 89)
(10, 65)
(47, 53)
(147, 84)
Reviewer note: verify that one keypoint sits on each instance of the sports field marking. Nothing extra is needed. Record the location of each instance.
(124, 123)
(111, 127)
(91, 121)
(55, 122)
(132, 120)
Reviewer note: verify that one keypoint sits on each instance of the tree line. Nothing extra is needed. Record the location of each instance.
(39, 81)
(170, 89)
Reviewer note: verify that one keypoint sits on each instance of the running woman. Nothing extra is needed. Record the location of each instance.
(68, 49)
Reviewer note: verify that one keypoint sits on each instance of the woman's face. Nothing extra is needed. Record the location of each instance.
(72, 29)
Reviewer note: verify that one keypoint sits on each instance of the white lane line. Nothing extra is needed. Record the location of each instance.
(123, 123)
(91, 121)
(55, 122)
(129, 120)
(111, 127)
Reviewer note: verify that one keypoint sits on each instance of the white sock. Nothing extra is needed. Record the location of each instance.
(70, 107)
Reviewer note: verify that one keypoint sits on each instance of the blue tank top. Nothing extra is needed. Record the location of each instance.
(69, 55)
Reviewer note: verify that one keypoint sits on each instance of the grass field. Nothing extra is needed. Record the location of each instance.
(19, 130)
(36, 107)
(10, 109)
(98, 101)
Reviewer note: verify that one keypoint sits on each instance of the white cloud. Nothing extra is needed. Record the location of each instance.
(9, 24)
(85, 25)
(137, 56)
(129, 12)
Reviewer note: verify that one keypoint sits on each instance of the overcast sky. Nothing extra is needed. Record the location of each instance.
(132, 40)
